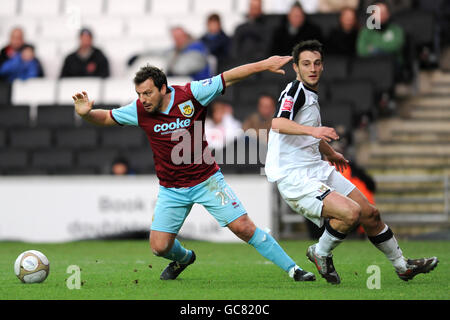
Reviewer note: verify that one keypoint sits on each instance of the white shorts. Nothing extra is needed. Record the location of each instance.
(304, 189)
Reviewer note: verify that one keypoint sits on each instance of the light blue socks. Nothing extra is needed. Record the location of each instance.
(266, 245)
(178, 253)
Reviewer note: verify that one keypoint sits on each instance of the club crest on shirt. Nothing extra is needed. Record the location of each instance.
(288, 104)
(187, 108)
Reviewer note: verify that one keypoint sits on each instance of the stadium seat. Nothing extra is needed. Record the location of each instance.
(57, 28)
(85, 8)
(326, 22)
(206, 7)
(69, 86)
(195, 25)
(418, 24)
(247, 93)
(154, 26)
(335, 68)
(122, 137)
(334, 114)
(33, 8)
(12, 159)
(31, 138)
(34, 91)
(28, 24)
(119, 52)
(2, 138)
(8, 8)
(241, 111)
(15, 117)
(77, 138)
(323, 92)
(52, 160)
(119, 91)
(54, 116)
(48, 53)
(169, 7)
(141, 160)
(5, 93)
(123, 8)
(99, 160)
(358, 92)
(379, 70)
(105, 27)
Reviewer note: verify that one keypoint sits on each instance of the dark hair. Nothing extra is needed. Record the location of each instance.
(151, 72)
(26, 46)
(85, 30)
(214, 17)
(297, 4)
(307, 45)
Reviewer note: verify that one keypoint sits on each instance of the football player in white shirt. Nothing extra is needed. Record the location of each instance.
(315, 188)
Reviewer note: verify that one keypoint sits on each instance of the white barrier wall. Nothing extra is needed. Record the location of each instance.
(59, 209)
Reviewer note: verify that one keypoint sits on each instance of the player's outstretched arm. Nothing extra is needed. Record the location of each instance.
(286, 126)
(83, 107)
(272, 64)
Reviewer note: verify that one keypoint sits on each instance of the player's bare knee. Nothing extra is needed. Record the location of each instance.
(159, 249)
(371, 217)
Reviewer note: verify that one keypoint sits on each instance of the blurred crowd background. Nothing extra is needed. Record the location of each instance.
(53, 48)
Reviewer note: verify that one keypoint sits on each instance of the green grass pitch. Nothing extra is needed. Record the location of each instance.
(222, 271)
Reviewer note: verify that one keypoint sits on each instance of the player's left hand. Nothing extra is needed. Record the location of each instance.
(275, 63)
(338, 160)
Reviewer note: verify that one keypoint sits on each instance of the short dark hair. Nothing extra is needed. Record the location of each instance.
(307, 45)
(214, 17)
(151, 72)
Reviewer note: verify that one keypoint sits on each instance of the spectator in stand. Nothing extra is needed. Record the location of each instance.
(251, 39)
(221, 128)
(261, 120)
(294, 29)
(16, 42)
(87, 60)
(22, 65)
(189, 56)
(215, 39)
(389, 39)
(121, 167)
(335, 6)
(15, 45)
(342, 40)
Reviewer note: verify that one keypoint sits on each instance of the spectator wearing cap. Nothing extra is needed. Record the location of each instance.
(87, 60)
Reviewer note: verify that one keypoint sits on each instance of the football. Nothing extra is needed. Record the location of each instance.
(32, 266)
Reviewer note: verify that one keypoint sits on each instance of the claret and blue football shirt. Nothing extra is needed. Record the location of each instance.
(180, 151)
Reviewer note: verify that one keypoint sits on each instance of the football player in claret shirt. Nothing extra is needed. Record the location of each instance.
(168, 115)
(313, 187)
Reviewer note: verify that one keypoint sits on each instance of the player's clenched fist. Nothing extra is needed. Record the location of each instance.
(325, 133)
(82, 104)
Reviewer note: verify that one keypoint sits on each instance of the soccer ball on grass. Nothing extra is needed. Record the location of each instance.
(32, 266)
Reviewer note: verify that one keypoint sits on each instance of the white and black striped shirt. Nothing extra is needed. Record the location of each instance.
(286, 152)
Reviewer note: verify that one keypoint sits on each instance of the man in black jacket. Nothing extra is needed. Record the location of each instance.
(87, 60)
(294, 29)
